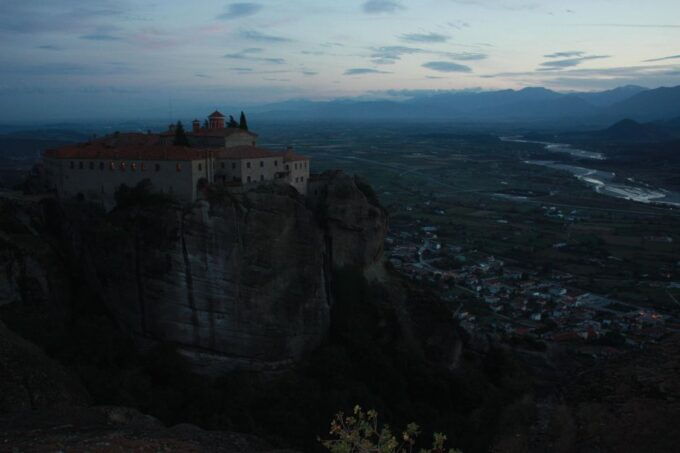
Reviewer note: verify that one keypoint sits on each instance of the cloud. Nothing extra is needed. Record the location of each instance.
(237, 10)
(446, 66)
(247, 54)
(100, 37)
(202, 76)
(390, 54)
(553, 65)
(631, 25)
(382, 6)
(424, 37)
(253, 35)
(672, 57)
(466, 56)
(567, 54)
(49, 47)
(359, 71)
(309, 73)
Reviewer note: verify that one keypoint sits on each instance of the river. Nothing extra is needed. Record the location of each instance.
(601, 181)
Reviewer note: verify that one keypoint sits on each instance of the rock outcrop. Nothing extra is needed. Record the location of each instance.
(234, 283)
(31, 380)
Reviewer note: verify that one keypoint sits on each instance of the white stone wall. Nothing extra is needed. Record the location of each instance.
(299, 175)
(97, 179)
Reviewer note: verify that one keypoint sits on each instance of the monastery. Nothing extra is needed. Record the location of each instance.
(217, 154)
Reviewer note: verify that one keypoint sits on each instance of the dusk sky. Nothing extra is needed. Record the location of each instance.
(71, 59)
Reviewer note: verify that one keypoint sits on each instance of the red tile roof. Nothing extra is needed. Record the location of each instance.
(98, 150)
(245, 152)
(290, 156)
(216, 114)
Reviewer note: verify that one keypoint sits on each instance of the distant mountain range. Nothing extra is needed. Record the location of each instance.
(529, 104)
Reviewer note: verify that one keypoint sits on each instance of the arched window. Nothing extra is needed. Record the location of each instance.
(112, 165)
(122, 166)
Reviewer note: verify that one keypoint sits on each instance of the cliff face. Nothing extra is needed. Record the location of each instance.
(233, 283)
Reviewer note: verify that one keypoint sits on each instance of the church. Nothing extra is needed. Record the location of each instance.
(211, 153)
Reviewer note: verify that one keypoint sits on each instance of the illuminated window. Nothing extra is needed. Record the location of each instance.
(122, 166)
(112, 165)
(133, 166)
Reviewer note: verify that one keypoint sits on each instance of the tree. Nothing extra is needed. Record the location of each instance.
(360, 433)
(180, 136)
(232, 122)
(243, 123)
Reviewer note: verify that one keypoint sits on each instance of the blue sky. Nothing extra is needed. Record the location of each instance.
(73, 59)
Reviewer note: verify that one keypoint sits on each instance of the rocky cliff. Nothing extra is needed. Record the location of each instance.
(234, 282)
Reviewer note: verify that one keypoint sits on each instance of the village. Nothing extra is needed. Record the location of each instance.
(513, 302)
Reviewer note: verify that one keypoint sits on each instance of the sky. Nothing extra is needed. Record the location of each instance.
(100, 59)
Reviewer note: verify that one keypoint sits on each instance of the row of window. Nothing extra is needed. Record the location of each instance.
(122, 166)
(300, 179)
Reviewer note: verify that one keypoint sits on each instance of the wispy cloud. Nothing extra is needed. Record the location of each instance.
(256, 36)
(237, 10)
(251, 53)
(567, 54)
(382, 6)
(466, 56)
(100, 37)
(359, 71)
(553, 65)
(672, 57)
(49, 47)
(424, 37)
(446, 66)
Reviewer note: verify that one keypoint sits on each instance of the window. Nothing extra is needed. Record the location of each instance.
(91, 165)
(222, 165)
(158, 167)
(261, 177)
(122, 166)
(133, 166)
(200, 167)
(276, 163)
(261, 163)
(142, 166)
(178, 167)
(302, 179)
(248, 178)
(101, 165)
(248, 164)
(112, 165)
(80, 164)
(73, 165)
(287, 167)
(233, 165)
